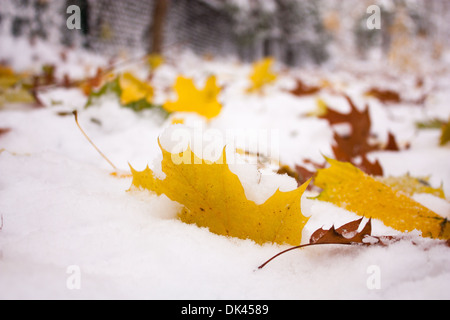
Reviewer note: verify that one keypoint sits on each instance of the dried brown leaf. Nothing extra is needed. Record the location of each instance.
(347, 234)
(358, 143)
(384, 95)
(302, 89)
(392, 144)
(4, 131)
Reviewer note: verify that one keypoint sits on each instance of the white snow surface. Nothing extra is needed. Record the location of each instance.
(61, 207)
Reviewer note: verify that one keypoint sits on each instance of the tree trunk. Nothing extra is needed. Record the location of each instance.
(157, 31)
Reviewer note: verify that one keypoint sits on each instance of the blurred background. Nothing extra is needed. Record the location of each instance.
(295, 32)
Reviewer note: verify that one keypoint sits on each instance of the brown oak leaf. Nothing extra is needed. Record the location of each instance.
(384, 95)
(357, 144)
(4, 131)
(347, 234)
(302, 89)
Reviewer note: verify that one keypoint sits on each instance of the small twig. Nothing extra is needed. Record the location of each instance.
(75, 113)
(1, 222)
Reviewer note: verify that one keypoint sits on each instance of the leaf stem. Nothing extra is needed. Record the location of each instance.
(297, 247)
(75, 113)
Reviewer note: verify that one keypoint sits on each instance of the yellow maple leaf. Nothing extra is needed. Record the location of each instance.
(14, 86)
(320, 110)
(177, 121)
(8, 77)
(190, 99)
(262, 74)
(348, 187)
(445, 134)
(214, 197)
(155, 60)
(133, 89)
(411, 185)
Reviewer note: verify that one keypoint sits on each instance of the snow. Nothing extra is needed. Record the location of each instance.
(61, 206)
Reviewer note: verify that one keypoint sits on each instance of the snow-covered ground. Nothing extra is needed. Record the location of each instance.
(65, 215)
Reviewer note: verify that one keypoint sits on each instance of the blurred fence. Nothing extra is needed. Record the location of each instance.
(294, 31)
(111, 26)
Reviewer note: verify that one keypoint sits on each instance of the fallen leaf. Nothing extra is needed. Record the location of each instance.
(351, 146)
(389, 96)
(348, 187)
(133, 89)
(177, 121)
(411, 185)
(4, 131)
(303, 174)
(357, 144)
(430, 124)
(214, 197)
(343, 152)
(132, 92)
(392, 144)
(109, 87)
(46, 77)
(346, 234)
(321, 109)
(121, 175)
(371, 168)
(155, 61)
(92, 83)
(262, 74)
(302, 89)
(384, 95)
(190, 99)
(445, 134)
(8, 77)
(17, 95)
(15, 87)
(284, 169)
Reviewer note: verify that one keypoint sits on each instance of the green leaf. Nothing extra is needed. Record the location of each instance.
(143, 104)
(430, 124)
(109, 87)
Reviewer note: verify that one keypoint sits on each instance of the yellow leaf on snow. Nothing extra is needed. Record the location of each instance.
(190, 99)
(213, 197)
(155, 61)
(321, 109)
(133, 89)
(348, 187)
(13, 87)
(262, 74)
(445, 134)
(411, 185)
